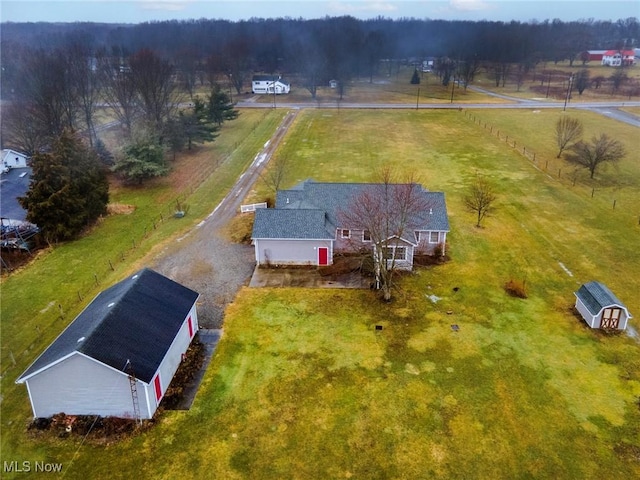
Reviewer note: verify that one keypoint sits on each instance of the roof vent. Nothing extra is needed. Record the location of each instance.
(111, 304)
(431, 211)
(81, 339)
(135, 276)
(287, 199)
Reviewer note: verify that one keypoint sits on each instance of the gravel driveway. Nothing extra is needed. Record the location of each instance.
(207, 263)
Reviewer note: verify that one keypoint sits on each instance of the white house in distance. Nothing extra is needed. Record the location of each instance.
(618, 58)
(119, 355)
(304, 229)
(269, 84)
(600, 308)
(12, 159)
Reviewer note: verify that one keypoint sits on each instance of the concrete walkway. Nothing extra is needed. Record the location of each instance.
(210, 339)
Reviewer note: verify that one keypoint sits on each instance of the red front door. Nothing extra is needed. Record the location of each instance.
(323, 256)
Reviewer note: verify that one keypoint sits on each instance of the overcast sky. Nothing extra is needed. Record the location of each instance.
(137, 11)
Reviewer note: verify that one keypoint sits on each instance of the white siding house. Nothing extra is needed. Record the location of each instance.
(269, 84)
(618, 58)
(119, 355)
(600, 308)
(12, 159)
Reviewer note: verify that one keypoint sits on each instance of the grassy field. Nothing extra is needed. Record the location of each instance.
(302, 386)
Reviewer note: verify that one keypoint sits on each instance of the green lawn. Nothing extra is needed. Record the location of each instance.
(302, 386)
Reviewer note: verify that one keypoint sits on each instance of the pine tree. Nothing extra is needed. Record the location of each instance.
(220, 108)
(141, 160)
(68, 191)
(415, 79)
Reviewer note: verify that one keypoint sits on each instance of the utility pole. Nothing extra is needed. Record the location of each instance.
(418, 99)
(568, 97)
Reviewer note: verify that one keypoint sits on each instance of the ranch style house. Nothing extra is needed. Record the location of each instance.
(304, 227)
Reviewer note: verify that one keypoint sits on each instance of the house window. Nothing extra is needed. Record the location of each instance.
(366, 236)
(400, 253)
(344, 233)
(434, 237)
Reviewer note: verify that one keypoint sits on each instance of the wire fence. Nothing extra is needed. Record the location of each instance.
(54, 317)
(552, 167)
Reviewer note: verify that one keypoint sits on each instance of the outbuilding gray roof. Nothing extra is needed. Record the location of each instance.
(327, 199)
(14, 184)
(596, 296)
(136, 319)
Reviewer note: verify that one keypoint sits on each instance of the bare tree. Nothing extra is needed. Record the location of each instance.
(388, 212)
(85, 82)
(118, 89)
(21, 128)
(47, 90)
(152, 78)
(480, 198)
(601, 149)
(273, 176)
(568, 132)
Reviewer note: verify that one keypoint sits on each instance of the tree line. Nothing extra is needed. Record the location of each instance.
(318, 50)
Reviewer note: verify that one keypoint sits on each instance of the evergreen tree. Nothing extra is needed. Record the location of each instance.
(220, 108)
(68, 191)
(415, 79)
(141, 160)
(197, 125)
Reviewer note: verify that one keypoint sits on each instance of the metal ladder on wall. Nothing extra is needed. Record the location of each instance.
(134, 391)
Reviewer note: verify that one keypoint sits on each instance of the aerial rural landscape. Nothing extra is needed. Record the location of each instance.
(320, 248)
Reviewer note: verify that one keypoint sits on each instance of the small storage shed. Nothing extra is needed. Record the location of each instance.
(119, 355)
(600, 308)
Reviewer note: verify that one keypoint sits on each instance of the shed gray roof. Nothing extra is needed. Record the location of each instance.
(136, 319)
(596, 296)
(329, 199)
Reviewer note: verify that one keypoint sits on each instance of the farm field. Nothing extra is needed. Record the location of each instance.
(302, 386)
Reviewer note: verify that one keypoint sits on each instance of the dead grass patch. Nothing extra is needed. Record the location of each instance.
(120, 209)
(239, 229)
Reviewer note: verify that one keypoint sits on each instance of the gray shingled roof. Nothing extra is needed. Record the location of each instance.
(137, 319)
(14, 184)
(294, 224)
(330, 198)
(596, 296)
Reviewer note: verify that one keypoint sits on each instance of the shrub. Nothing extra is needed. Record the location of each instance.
(516, 288)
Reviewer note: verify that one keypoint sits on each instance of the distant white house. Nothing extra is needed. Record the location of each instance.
(269, 84)
(12, 159)
(118, 356)
(618, 58)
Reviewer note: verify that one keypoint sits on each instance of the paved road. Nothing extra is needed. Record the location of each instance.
(607, 108)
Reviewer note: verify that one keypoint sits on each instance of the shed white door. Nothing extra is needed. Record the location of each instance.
(610, 318)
